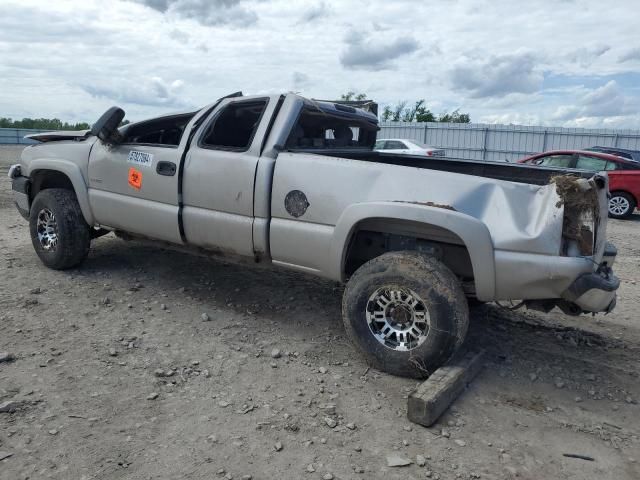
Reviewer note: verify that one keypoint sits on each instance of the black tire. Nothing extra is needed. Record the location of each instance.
(475, 303)
(439, 291)
(621, 205)
(73, 235)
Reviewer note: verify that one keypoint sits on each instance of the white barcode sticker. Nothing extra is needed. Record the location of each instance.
(143, 159)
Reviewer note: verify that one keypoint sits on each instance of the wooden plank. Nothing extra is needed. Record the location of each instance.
(440, 390)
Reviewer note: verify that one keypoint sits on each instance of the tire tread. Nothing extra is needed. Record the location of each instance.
(435, 275)
(74, 232)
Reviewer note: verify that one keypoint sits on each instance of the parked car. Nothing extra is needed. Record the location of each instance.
(284, 181)
(407, 147)
(624, 174)
(620, 152)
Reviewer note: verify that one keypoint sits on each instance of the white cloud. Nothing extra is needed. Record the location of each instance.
(368, 52)
(497, 76)
(152, 91)
(74, 58)
(300, 81)
(316, 12)
(630, 55)
(585, 56)
(206, 12)
(602, 102)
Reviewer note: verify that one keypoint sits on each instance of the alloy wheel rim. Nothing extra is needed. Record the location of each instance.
(618, 205)
(47, 229)
(398, 318)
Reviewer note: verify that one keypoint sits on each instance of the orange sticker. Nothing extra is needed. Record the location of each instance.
(135, 178)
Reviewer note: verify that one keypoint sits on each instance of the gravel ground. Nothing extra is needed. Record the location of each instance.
(146, 363)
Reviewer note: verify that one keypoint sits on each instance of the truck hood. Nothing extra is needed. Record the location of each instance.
(59, 135)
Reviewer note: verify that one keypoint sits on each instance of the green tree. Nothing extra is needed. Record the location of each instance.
(423, 114)
(351, 96)
(42, 124)
(409, 114)
(454, 117)
(397, 111)
(419, 112)
(387, 113)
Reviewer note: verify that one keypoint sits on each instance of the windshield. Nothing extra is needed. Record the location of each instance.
(616, 152)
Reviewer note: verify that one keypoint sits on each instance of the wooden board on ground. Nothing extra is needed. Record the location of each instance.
(439, 391)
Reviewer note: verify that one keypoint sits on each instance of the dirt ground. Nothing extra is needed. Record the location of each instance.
(94, 346)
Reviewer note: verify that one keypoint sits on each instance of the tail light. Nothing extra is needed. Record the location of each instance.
(582, 212)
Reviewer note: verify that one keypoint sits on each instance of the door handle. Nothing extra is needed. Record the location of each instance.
(167, 169)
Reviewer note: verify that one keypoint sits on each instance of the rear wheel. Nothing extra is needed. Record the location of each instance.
(406, 313)
(59, 233)
(473, 302)
(621, 205)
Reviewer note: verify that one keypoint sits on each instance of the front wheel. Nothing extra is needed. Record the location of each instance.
(621, 205)
(406, 313)
(59, 233)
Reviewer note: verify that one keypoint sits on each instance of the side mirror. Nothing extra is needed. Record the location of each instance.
(106, 128)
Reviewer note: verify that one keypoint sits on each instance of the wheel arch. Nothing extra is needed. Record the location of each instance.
(425, 222)
(636, 198)
(60, 174)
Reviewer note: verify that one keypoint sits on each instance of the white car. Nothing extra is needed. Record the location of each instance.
(407, 147)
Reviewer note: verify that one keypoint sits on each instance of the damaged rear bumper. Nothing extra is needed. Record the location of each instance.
(594, 292)
(589, 292)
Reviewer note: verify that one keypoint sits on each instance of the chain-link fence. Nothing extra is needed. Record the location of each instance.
(15, 136)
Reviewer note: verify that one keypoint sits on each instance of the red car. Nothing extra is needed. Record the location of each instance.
(624, 175)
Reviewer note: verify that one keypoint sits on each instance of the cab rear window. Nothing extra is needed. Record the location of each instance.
(317, 129)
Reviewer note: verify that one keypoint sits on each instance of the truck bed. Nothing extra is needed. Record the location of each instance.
(512, 172)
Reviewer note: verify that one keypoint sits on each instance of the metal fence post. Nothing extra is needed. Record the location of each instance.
(424, 137)
(544, 141)
(484, 143)
(615, 140)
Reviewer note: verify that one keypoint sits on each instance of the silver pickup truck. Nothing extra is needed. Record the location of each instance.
(292, 182)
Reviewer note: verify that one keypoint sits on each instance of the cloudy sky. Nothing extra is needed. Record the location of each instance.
(568, 63)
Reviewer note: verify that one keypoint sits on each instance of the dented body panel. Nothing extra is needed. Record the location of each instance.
(501, 229)
(495, 220)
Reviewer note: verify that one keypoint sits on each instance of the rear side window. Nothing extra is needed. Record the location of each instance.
(623, 166)
(235, 126)
(563, 161)
(614, 166)
(394, 145)
(591, 163)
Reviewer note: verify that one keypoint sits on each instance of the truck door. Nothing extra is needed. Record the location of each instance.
(219, 175)
(133, 186)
